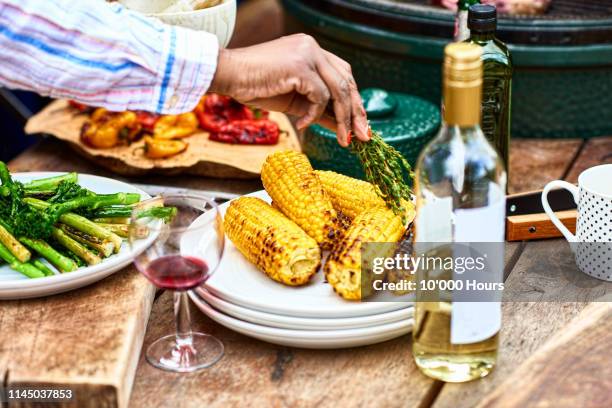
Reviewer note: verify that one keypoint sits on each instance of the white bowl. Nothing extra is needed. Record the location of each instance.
(218, 20)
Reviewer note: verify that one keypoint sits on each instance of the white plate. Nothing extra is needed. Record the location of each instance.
(302, 323)
(322, 339)
(14, 285)
(238, 281)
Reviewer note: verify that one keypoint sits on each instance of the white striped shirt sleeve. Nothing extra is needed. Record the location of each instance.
(103, 55)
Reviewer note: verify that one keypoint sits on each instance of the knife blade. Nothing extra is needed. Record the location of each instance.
(154, 190)
(531, 202)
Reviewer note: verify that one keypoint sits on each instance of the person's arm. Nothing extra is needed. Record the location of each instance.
(103, 55)
(108, 56)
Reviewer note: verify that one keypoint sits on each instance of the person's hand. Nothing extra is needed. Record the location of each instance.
(294, 75)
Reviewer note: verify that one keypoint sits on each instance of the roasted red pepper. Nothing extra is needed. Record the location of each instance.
(215, 111)
(261, 132)
(147, 120)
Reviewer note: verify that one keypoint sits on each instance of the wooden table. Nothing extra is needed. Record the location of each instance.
(551, 353)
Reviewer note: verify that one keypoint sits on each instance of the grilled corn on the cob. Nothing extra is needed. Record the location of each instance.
(343, 268)
(349, 195)
(275, 244)
(296, 190)
(352, 196)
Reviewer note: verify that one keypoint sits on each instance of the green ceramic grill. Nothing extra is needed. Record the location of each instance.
(563, 60)
(406, 122)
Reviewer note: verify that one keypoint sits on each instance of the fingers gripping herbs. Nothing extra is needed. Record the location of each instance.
(47, 225)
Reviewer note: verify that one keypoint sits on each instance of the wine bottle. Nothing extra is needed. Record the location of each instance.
(460, 188)
(462, 32)
(497, 77)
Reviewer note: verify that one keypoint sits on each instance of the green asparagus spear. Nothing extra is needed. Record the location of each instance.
(10, 242)
(165, 213)
(42, 267)
(49, 184)
(112, 220)
(104, 247)
(76, 247)
(121, 230)
(61, 262)
(26, 269)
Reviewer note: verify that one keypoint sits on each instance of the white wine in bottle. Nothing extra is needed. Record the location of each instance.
(460, 188)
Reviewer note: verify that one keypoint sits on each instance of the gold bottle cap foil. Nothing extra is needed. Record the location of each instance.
(462, 84)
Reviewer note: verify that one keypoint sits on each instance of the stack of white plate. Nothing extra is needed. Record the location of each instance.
(244, 299)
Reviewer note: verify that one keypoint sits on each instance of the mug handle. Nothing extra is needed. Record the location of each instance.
(551, 214)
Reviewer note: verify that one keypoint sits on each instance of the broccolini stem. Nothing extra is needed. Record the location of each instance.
(123, 211)
(42, 267)
(49, 184)
(10, 242)
(26, 269)
(120, 229)
(61, 262)
(80, 223)
(5, 175)
(164, 213)
(112, 220)
(105, 248)
(75, 247)
(98, 201)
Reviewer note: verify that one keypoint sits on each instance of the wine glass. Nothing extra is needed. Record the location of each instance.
(186, 250)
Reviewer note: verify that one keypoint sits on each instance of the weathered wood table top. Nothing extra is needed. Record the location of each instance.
(551, 353)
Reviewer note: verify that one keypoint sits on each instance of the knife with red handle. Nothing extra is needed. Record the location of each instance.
(526, 219)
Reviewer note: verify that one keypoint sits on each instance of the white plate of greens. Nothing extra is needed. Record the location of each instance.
(99, 254)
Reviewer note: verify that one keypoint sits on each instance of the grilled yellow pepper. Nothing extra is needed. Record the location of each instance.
(107, 129)
(175, 126)
(160, 148)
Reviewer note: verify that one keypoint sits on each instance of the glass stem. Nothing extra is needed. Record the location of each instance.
(182, 318)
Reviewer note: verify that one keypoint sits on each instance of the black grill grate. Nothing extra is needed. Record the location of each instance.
(559, 9)
(567, 22)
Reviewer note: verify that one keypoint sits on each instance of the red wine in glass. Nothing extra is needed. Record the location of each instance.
(186, 251)
(177, 272)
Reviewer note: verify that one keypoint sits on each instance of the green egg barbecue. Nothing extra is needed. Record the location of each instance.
(405, 122)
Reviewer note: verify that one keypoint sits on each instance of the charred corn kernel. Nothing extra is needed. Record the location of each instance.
(274, 243)
(296, 190)
(352, 196)
(349, 195)
(343, 268)
(160, 148)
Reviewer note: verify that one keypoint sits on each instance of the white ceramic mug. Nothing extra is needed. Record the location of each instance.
(592, 244)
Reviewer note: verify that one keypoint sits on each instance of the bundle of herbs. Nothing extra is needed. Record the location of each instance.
(387, 169)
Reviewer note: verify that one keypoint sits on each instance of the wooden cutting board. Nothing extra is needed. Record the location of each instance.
(203, 157)
(87, 340)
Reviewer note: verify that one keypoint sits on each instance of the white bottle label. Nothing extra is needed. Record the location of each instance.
(434, 220)
(472, 322)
